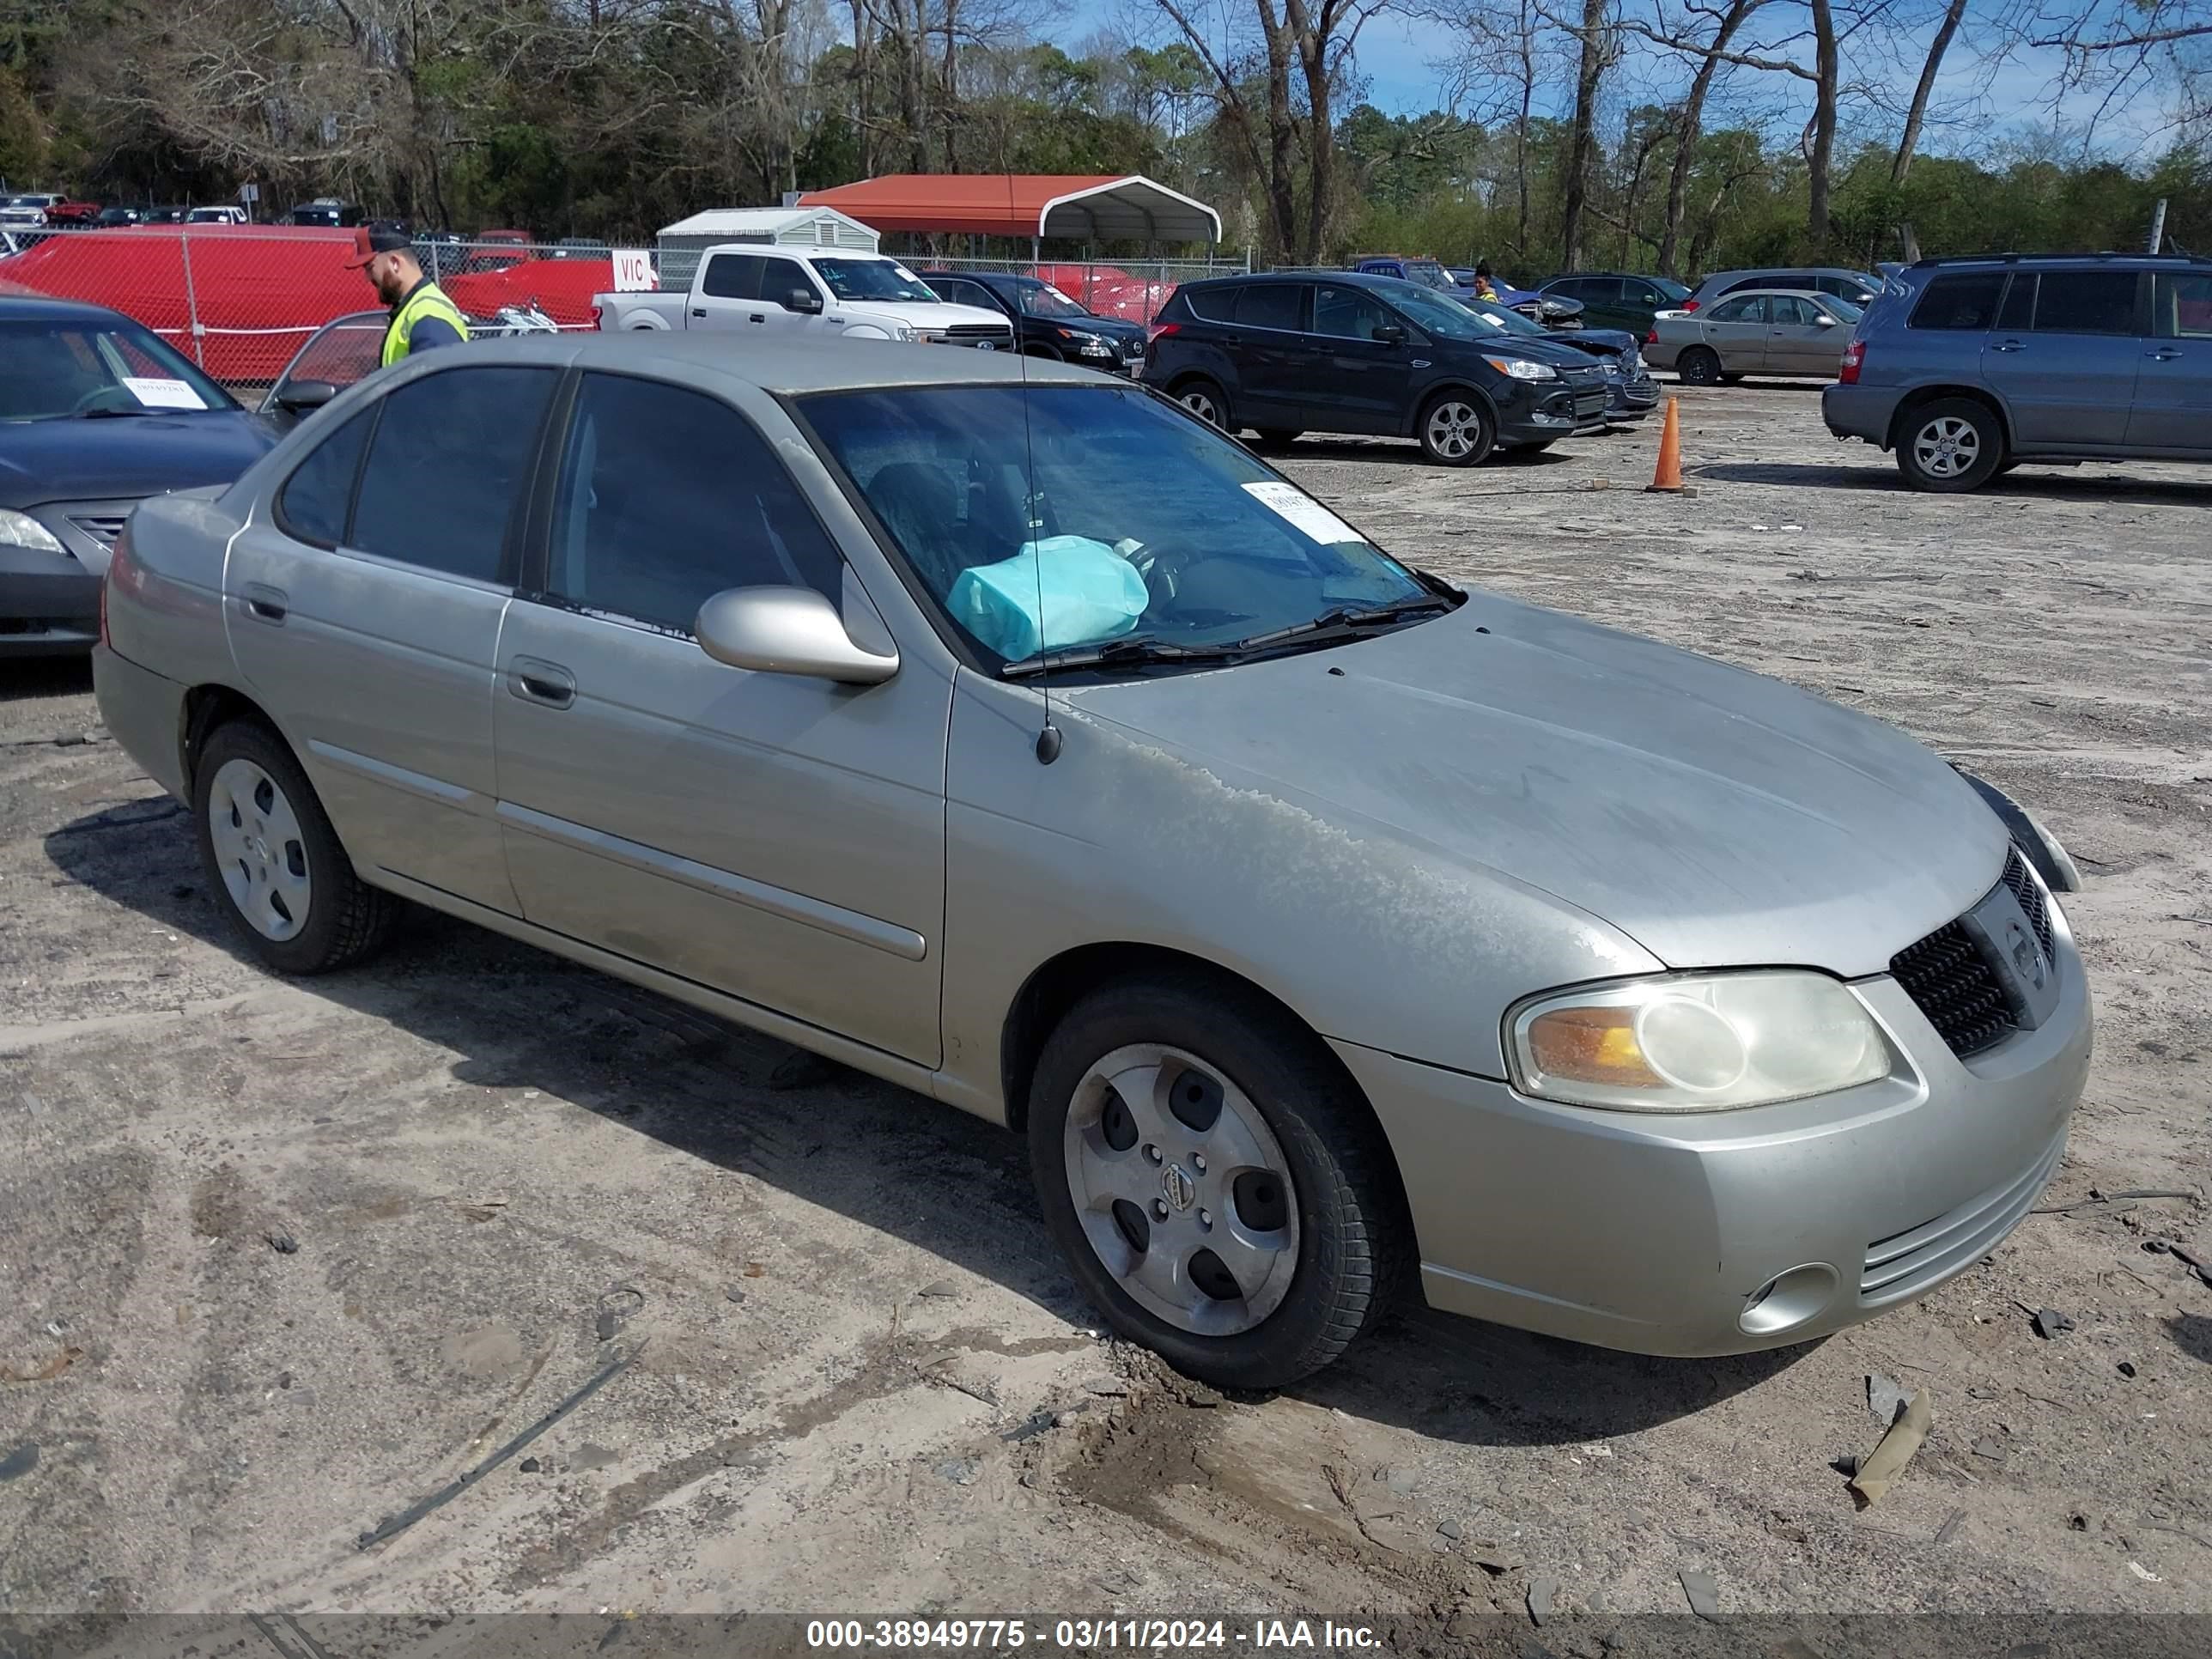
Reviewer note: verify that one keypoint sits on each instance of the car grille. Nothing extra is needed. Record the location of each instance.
(1904, 1265)
(103, 528)
(1952, 982)
(969, 334)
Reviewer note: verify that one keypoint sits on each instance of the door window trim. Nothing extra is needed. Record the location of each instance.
(282, 519)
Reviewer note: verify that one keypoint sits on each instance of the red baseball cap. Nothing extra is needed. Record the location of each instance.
(368, 243)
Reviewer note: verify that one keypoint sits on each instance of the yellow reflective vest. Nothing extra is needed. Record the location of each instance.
(428, 300)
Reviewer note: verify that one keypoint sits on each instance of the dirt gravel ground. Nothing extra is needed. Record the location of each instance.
(279, 1260)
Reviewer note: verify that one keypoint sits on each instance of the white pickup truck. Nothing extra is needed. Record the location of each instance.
(764, 288)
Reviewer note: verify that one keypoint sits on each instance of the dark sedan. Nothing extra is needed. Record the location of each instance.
(1047, 323)
(1631, 393)
(96, 414)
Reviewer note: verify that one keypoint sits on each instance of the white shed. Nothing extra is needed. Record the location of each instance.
(681, 243)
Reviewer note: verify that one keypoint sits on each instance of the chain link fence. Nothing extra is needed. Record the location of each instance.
(240, 300)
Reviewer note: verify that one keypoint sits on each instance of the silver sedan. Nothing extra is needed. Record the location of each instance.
(998, 729)
(1754, 331)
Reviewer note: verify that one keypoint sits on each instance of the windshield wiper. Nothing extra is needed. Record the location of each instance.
(109, 414)
(1348, 622)
(1113, 652)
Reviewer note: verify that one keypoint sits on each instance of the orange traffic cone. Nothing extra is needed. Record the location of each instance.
(1668, 479)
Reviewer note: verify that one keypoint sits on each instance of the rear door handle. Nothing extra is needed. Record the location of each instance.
(2006, 345)
(535, 680)
(265, 603)
(2165, 354)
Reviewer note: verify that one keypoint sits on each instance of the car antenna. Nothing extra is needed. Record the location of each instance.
(1049, 735)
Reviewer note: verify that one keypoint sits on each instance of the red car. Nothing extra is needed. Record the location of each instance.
(72, 213)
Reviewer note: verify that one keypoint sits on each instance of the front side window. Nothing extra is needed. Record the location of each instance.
(2182, 305)
(666, 497)
(52, 371)
(1792, 312)
(341, 352)
(1074, 515)
(1966, 299)
(1348, 314)
(780, 279)
(874, 279)
(313, 504)
(446, 469)
(2086, 302)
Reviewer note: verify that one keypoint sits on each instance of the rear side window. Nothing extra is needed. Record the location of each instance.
(2018, 313)
(1756, 281)
(1964, 300)
(312, 506)
(1751, 310)
(1271, 305)
(667, 496)
(2086, 302)
(1598, 290)
(447, 465)
(1212, 305)
(733, 276)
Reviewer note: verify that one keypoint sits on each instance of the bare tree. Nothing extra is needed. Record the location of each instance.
(1917, 111)
(1598, 41)
(1499, 53)
(1689, 125)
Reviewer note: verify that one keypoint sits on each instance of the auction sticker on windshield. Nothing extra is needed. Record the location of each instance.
(162, 393)
(1303, 512)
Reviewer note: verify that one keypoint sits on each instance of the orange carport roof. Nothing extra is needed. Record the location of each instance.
(1091, 207)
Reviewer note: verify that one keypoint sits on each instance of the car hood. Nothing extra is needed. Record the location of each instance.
(1605, 342)
(123, 459)
(917, 314)
(1718, 818)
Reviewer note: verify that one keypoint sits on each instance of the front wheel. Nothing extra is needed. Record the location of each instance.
(1456, 430)
(1217, 1188)
(1203, 399)
(1698, 365)
(270, 852)
(1951, 445)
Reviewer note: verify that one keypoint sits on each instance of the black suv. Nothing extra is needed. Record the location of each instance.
(1047, 323)
(1293, 351)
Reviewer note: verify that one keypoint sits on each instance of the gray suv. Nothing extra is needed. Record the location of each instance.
(1965, 367)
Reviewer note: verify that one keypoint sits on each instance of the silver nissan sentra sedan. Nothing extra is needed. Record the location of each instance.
(996, 728)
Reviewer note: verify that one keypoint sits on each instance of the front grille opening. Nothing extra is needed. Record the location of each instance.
(1953, 983)
(2029, 892)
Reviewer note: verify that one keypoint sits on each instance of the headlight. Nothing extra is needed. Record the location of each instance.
(905, 333)
(1522, 368)
(1694, 1043)
(21, 530)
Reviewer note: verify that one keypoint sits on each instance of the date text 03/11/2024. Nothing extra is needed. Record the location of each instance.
(1254, 1636)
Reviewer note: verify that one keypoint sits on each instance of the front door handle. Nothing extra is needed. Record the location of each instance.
(758, 317)
(2006, 345)
(2164, 355)
(535, 680)
(265, 603)
(700, 313)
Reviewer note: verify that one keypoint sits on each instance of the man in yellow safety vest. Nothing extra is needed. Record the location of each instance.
(422, 315)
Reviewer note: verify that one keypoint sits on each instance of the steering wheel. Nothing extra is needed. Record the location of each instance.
(93, 398)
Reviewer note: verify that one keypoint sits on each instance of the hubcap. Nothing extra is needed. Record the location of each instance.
(1454, 428)
(1948, 448)
(1181, 1189)
(260, 850)
(1198, 403)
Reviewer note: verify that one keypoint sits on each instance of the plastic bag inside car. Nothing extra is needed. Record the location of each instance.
(1087, 592)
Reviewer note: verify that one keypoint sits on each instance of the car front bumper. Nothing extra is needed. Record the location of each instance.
(49, 602)
(1654, 1233)
(1859, 411)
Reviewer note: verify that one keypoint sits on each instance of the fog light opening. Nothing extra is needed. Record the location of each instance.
(1789, 1300)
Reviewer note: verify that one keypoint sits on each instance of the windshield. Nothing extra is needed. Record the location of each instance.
(1043, 300)
(1142, 523)
(1435, 312)
(53, 370)
(1672, 289)
(874, 279)
(1844, 309)
(1428, 273)
(1503, 317)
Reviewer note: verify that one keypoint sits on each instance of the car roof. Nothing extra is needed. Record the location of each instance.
(18, 308)
(796, 367)
(1778, 287)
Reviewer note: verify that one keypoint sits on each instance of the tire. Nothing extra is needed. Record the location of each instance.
(272, 858)
(1275, 440)
(1203, 399)
(1950, 446)
(1323, 1252)
(1455, 429)
(1698, 365)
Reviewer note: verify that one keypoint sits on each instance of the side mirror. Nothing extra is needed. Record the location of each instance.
(803, 299)
(300, 396)
(786, 630)
(1824, 320)
(1388, 333)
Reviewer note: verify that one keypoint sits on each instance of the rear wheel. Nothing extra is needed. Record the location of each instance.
(1700, 366)
(1219, 1190)
(1456, 430)
(1950, 446)
(268, 850)
(1205, 399)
